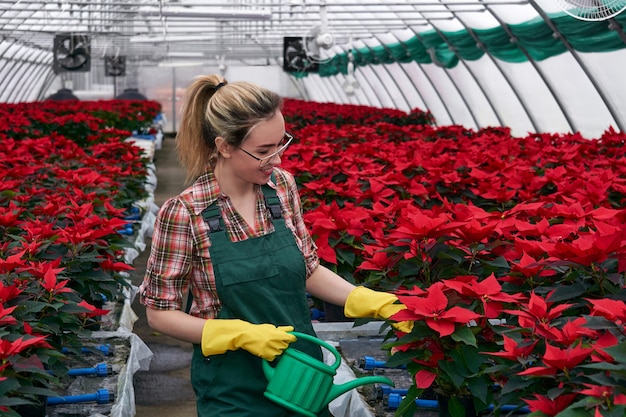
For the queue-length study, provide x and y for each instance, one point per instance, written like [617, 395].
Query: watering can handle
[321, 343]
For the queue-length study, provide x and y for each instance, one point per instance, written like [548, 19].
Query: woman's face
[263, 142]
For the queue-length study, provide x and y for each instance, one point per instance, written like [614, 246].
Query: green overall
[259, 280]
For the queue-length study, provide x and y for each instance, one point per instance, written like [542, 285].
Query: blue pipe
[101, 369]
[385, 390]
[395, 399]
[103, 349]
[102, 396]
[317, 314]
[368, 363]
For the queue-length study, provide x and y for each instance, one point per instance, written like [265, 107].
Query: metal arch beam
[469, 108]
[479, 44]
[50, 76]
[28, 75]
[446, 40]
[471, 73]
[13, 64]
[399, 65]
[401, 43]
[345, 99]
[337, 89]
[441, 100]
[406, 101]
[377, 77]
[365, 82]
[404, 71]
[612, 111]
[324, 88]
[7, 85]
[38, 72]
[332, 89]
[371, 93]
[367, 99]
[456, 87]
[37, 64]
[537, 68]
[298, 86]
[614, 25]
[25, 60]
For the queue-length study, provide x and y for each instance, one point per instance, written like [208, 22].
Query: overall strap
[272, 202]
[213, 218]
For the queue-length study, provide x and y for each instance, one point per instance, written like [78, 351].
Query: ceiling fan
[592, 10]
[319, 38]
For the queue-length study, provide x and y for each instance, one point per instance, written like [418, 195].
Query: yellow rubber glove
[363, 302]
[263, 340]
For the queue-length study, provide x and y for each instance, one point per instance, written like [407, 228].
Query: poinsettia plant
[448, 349]
[68, 181]
[420, 206]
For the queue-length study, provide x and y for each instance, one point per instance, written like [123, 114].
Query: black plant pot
[465, 406]
[334, 313]
[33, 410]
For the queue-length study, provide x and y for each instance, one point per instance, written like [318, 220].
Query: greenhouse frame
[534, 66]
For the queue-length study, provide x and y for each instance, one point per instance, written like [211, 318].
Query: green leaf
[346, 256]
[499, 262]
[455, 371]
[7, 385]
[400, 358]
[465, 335]
[407, 406]
[618, 352]
[567, 292]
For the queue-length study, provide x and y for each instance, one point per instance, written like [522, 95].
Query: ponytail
[214, 107]
[195, 140]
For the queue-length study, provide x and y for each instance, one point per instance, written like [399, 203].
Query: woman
[235, 240]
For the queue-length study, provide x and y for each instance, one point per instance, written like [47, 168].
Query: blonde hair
[214, 107]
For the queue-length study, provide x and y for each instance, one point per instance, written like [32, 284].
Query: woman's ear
[223, 148]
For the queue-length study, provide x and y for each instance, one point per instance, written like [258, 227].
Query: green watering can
[304, 384]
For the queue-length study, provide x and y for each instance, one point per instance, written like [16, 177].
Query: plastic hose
[102, 396]
[385, 390]
[317, 314]
[101, 349]
[368, 363]
[101, 369]
[395, 399]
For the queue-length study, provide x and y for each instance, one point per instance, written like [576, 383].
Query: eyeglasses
[265, 161]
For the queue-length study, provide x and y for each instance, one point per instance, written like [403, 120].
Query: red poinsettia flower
[376, 259]
[605, 340]
[557, 359]
[92, 311]
[538, 312]
[527, 266]
[612, 310]
[514, 351]
[488, 291]
[550, 406]
[417, 224]
[9, 292]
[572, 332]
[5, 316]
[432, 308]
[11, 348]
[598, 391]
[12, 262]
[51, 285]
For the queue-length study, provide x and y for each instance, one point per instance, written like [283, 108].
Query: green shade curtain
[536, 37]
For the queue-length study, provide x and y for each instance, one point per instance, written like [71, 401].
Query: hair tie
[220, 85]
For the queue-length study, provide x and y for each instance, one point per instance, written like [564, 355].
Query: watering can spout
[337, 390]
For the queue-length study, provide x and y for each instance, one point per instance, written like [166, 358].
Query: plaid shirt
[180, 243]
